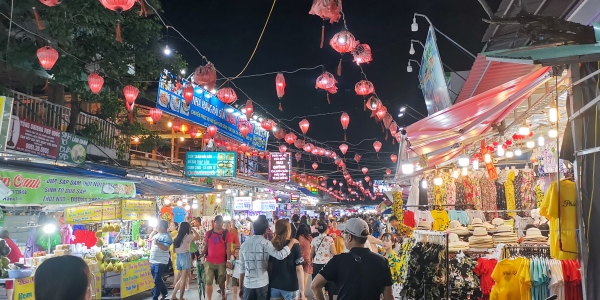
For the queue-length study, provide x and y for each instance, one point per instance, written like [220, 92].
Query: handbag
[317, 249]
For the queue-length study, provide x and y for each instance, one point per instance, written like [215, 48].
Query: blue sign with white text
[205, 110]
[210, 164]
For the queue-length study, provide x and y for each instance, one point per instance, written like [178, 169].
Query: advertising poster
[280, 167]
[40, 189]
[242, 203]
[136, 278]
[24, 288]
[433, 78]
[138, 209]
[92, 213]
[205, 110]
[210, 164]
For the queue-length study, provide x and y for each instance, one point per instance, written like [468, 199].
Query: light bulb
[455, 173]
[509, 154]
[195, 206]
[524, 129]
[541, 141]
[169, 124]
[500, 151]
[218, 200]
[412, 49]
[182, 139]
[530, 144]
[274, 128]
[463, 161]
[487, 158]
[179, 203]
[414, 26]
[49, 228]
[187, 207]
[409, 68]
[228, 192]
[552, 133]
[167, 201]
[342, 40]
[182, 71]
[518, 152]
[476, 165]
[167, 50]
[408, 168]
[438, 180]
[553, 114]
[424, 184]
[153, 222]
[136, 139]
[464, 171]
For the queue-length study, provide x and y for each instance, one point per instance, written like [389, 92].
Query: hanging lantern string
[316, 115]
[272, 73]
[344, 19]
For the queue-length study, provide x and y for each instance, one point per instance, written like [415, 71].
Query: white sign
[242, 203]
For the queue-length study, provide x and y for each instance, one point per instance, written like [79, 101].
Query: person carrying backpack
[217, 249]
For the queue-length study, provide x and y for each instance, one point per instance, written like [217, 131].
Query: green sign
[72, 148]
[40, 189]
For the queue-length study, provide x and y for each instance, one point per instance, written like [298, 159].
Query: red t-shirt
[15, 253]
[409, 219]
[217, 253]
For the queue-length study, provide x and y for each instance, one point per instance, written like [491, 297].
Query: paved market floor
[192, 294]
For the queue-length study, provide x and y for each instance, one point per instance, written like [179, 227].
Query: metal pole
[172, 143]
[444, 35]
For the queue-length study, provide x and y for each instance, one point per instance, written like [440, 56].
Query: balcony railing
[57, 116]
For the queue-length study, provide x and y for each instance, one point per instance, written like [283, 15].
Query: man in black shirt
[359, 274]
[295, 224]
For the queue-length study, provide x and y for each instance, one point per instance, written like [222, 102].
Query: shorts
[183, 261]
[235, 282]
[277, 293]
[214, 271]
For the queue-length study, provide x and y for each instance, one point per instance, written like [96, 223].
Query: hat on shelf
[534, 235]
[454, 224]
[505, 235]
[457, 228]
[504, 230]
[480, 239]
[480, 231]
[497, 222]
[424, 225]
[476, 222]
[488, 226]
[455, 244]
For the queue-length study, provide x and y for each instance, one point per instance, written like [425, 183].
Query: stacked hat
[424, 225]
[456, 227]
[455, 244]
[505, 235]
[476, 222]
[480, 238]
[497, 222]
[534, 236]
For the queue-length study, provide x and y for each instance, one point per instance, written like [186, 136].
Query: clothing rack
[527, 251]
[439, 238]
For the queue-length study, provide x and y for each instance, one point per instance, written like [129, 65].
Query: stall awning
[55, 170]
[547, 55]
[306, 192]
[149, 187]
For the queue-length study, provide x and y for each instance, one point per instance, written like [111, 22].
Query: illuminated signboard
[242, 203]
[280, 167]
[210, 164]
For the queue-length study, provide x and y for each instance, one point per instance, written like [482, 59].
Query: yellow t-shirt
[440, 220]
[505, 275]
[567, 218]
[525, 279]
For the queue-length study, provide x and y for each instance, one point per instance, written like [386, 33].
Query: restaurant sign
[210, 164]
[205, 110]
[40, 189]
[280, 166]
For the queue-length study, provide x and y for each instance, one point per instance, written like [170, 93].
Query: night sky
[226, 32]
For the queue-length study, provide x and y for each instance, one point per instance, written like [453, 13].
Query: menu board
[83, 214]
[242, 203]
[280, 166]
[138, 209]
[210, 164]
[42, 140]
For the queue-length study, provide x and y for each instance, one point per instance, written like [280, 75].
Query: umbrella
[200, 277]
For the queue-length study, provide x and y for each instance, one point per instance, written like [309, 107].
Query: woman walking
[389, 243]
[183, 264]
[286, 276]
[322, 250]
[304, 238]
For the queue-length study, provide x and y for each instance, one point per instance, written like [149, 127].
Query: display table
[134, 279]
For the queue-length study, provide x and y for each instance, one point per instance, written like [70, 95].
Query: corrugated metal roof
[486, 75]
[546, 55]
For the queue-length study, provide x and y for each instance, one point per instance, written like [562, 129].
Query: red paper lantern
[345, 120]
[327, 153]
[327, 82]
[290, 138]
[393, 128]
[245, 147]
[299, 144]
[227, 95]
[206, 76]
[343, 42]
[280, 85]
[243, 127]
[377, 146]
[267, 124]
[131, 93]
[321, 151]
[315, 151]
[495, 144]
[504, 147]
[95, 82]
[279, 134]
[364, 87]
[304, 124]
[394, 158]
[388, 171]
[194, 133]
[362, 54]
[357, 157]
[118, 5]
[50, 2]
[308, 147]
[261, 155]
[315, 165]
[381, 111]
[47, 57]
[367, 178]
[176, 124]
[155, 114]
[188, 93]
[282, 148]
[365, 170]
[374, 103]
[334, 181]
[249, 109]
[509, 143]
[298, 156]
[343, 148]
[211, 131]
[327, 10]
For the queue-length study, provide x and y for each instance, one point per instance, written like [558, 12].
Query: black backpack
[223, 236]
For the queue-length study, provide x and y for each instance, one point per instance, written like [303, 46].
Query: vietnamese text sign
[136, 278]
[210, 164]
[40, 189]
[24, 288]
[138, 209]
[280, 166]
[72, 148]
[242, 203]
[205, 110]
[432, 77]
[93, 213]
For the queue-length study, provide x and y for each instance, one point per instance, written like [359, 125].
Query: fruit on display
[99, 256]
[99, 234]
[105, 228]
[117, 227]
[99, 243]
[110, 228]
[109, 267]
[4, 249]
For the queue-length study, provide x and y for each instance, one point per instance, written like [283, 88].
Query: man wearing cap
[359, 274]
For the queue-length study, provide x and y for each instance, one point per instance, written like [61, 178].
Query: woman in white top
[322, 249]
[181, 244]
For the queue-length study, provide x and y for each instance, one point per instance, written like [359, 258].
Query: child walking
[235, 272]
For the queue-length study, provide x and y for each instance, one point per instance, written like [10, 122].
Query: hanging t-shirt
[524, 275]
[178, 214]
[166, 213]
[409, 219]
[423, 215]
[485, 268]
[562, 209]
[507, 281]
[440, 220]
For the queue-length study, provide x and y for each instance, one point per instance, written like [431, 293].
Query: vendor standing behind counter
[15, 253]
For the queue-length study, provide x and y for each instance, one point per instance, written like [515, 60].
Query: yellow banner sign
[24, 289]
[98, 286]
[138, 209]
[93, 213]
[136, 278]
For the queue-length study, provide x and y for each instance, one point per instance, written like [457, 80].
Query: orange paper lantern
[47, 57]
[95, 82]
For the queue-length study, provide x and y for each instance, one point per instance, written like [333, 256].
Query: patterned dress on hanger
[474, 190]
[500, 196]
[528, 198]
[430, 191]
[460, 195]
[518, 196]
[488, 197]
[539, 195]
[509, 190]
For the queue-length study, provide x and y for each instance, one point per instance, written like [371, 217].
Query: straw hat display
[534, 236]
[424, 225]
[497, 222]
[505, 235]
[455, 244]
[457, 228]
[480, 238]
